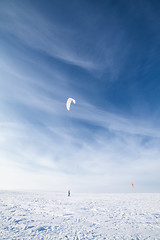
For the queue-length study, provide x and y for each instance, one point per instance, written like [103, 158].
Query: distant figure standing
[69, 193]
[132, 185]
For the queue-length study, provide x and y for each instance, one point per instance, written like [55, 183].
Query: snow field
[44, 215]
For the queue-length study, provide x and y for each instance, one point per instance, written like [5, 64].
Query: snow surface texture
[25, 215]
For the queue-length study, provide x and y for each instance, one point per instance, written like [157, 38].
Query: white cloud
[117, 153]
[65, 42]
[25, 21]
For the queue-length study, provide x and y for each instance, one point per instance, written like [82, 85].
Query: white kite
[68, 103]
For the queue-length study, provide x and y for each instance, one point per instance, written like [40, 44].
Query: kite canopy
[68, 103]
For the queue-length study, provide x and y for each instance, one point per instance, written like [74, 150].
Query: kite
[68, 103]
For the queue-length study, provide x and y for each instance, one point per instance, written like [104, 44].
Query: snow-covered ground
[32, 215]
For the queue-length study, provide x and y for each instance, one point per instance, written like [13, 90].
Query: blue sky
[105, 55]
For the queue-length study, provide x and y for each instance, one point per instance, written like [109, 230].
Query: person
[69, 193]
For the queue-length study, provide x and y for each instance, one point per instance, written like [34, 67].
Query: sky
[105, 55]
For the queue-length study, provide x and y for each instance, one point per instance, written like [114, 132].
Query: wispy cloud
[65, 42]
[120, 147]
[24, 21]
[117, 157]
[118, 150]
